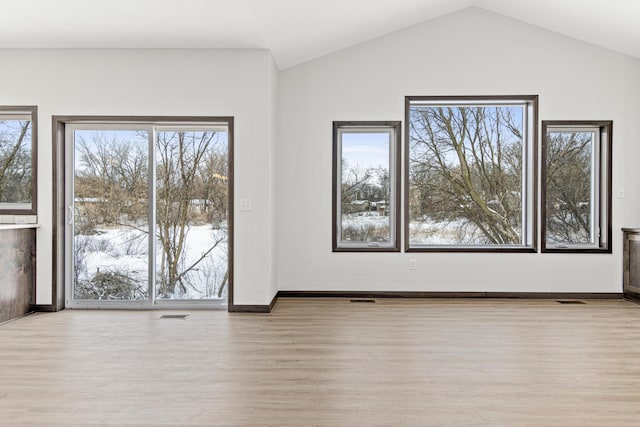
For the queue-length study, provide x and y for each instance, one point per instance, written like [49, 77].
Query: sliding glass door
[148, 214]
[109, 214]
[191, 213]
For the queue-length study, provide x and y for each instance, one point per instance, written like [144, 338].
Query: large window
[576, 179]
[366, 168]
[470, 173]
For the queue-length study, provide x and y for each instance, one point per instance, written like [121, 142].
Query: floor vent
[366, 300]
[570, 302]
[174, 316]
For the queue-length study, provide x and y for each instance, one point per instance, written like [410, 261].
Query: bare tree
[112, 190]
[180, 157]
[569, 172]
[15, 160]
[111, 183]
[212, 184]
[465, 166]
[355, 180]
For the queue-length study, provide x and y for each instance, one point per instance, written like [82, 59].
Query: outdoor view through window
[125, 211]
[469, 176]
[576, 186]
[365, 177]
[16, 174]
[365, 187]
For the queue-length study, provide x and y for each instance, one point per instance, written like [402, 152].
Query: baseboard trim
[632, 297]
[239, 308]
[395, 294]
[47, 308]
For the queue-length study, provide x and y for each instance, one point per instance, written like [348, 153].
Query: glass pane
[569, 201]
[191, 214]
[111, 249]
[365, 189]
[466, 175]
[15, 164]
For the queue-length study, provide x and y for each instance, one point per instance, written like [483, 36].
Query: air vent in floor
[365, 300]
[174, 316]
[570, 302]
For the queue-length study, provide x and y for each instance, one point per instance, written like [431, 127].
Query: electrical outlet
[246, 205]
[620, 192]
[412, 264]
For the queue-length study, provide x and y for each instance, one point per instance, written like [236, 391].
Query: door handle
[70, 222]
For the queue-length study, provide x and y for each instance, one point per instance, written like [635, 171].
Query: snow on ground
[365, 219]
[430, 232]
[365, 226]
[424, 231]
[126, 251]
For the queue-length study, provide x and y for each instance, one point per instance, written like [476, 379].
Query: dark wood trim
[334, 188]
[46, 308]
[405, 193]
[606, 137]
[255, 308]
[533, 248]
[534, 199]
[240, 308]
[58, 124]
[365, 249]
[462, 98]
[471, 249]
[397, 147]
[230, 219]
[33, 109]
[400, 294]
[144, 120]
[273, 302]
[635, 298]
[58, 189]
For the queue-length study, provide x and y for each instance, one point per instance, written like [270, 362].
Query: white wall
[283, 140]
[472, 52]
[274, 76]
[158, 82]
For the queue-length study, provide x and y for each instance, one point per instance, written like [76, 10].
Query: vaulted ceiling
[294, 30]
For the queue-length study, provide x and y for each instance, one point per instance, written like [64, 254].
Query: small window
[470, 173]
[366, 184]
[18, 133]
[576, 186]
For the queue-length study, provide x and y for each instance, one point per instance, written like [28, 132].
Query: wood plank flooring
[328, 362]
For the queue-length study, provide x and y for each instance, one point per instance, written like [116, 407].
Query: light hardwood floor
[326, 362]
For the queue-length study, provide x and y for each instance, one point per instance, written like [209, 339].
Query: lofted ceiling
[294, 30]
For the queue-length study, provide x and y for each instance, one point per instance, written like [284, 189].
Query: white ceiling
[294, 30]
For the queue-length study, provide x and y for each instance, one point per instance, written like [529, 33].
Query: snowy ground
[126, 250]
[425, 231]
[356, 226]
[430, 232]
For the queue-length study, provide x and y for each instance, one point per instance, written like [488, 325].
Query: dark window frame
[59, 125]
[605, 203]
[532, 104]
[33, 111]
[395, 188]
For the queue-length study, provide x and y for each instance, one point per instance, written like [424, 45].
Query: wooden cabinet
[17, 269]
[631, 264]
